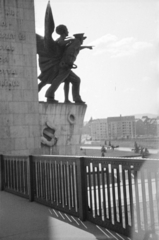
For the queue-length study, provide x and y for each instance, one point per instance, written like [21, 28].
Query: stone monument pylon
[19, 106]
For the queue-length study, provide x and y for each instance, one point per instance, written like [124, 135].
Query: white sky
[120, 75]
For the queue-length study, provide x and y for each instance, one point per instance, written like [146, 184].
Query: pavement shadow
[21, 219]
[100, 233]
[24, 220]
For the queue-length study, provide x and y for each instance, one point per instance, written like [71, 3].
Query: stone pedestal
[61, 126]
[19, 107]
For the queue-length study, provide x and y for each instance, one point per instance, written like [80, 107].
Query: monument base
[61, 126]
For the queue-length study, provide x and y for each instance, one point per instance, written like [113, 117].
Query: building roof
[121, 118]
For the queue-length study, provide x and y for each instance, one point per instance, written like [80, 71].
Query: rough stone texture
[19, 109]
[64, 122]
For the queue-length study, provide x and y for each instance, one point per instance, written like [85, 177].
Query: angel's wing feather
[49, 22]
[46, 46]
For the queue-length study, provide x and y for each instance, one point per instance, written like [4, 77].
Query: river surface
[152, 151]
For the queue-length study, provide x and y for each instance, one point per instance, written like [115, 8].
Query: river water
[152, 151]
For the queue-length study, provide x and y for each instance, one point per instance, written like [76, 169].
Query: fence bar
[138, 213]
[144, 199]
[99, 192]
[151, 202]
[103, 188]
[54, 182]
[65, 186]
[82, 190]
[113, 195]
[30, 178]
[2, 174]
[73, 187]
[157, 197]
[90, 187]
[109, 200]
[130, 195]
[119, 198]
[125, 198]
[94, 188]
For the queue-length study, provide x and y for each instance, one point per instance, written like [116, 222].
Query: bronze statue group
[56, 60]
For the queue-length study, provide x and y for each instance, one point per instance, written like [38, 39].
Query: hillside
[150, 115]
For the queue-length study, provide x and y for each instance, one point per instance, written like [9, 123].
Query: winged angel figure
[56, 59]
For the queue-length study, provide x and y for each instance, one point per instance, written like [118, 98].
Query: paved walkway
[24, 220]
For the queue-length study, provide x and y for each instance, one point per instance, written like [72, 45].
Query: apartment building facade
[113, 128]
[99, 129]
[121, 127]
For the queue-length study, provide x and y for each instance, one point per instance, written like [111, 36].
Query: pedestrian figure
[136, 147]
[103, 151]
[83, 151]
[145, 153]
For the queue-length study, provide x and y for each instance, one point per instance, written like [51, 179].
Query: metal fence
[14, 175]
[55, 183]
[121, 194]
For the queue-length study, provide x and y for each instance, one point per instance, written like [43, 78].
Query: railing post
[1, 173]
[82, 189]
[31, 178]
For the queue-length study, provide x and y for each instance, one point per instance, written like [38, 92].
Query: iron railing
[121, 194]
[55, 183]
[14, 174]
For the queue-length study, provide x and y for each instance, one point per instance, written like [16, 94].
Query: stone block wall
[19, 107]
[61, 126]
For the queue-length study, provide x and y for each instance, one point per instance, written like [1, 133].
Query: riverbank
[109, 153]
[145, 143]
[95, 151]
[129, 143]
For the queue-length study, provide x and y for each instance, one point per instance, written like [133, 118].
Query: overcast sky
[120, 75]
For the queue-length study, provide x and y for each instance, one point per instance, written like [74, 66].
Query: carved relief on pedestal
[49, 137]
[61, 128]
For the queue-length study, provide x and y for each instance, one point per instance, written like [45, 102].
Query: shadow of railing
[98, 231]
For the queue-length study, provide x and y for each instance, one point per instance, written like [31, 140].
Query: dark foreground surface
[24, 220]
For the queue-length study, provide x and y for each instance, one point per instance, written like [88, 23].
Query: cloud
[142, 45]
[119, 47]
[129, 90]
[106, 39]
[146, 79]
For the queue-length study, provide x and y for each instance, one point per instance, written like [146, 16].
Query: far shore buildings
[99, 129]
[147, 126]
[113, 128]
[121, 127]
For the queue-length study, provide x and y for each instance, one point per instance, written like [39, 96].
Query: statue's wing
[48, 49]
[40, 44]
[46, 45]
[49, 24]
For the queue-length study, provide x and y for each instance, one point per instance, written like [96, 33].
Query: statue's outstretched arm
[88, 47]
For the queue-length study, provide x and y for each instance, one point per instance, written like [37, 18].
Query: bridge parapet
[121, 194]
